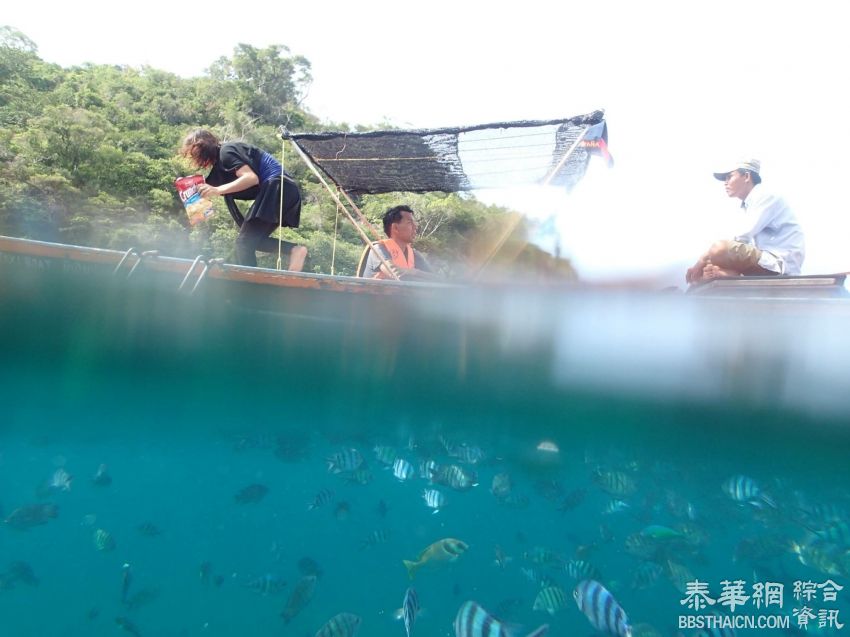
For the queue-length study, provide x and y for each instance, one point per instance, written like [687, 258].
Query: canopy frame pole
[336, 198]
[515, 222]
[360, 213]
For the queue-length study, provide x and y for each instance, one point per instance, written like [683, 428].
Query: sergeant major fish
[251, 494]
[300, 597]
[551, 599]
[25, 518]
[744, 489]
[322, 498]
[342, 625]
[601, 609]
[268, 584]
[409, 610]
[345, 461]
[434, 499]
[473, 621]
[403, 470]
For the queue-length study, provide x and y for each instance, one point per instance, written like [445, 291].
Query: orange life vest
[397, 256]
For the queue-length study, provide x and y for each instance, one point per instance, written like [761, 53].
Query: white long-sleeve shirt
[773, 229]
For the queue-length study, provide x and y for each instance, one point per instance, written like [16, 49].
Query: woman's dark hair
[393, 215]
[201, 146]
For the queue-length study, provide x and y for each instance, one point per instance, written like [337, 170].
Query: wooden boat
[819, 286]
[27, 265]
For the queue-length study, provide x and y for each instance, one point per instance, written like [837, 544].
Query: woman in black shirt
[243, 171]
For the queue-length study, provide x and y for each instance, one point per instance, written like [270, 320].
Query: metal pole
[360, 231]
[360, 214]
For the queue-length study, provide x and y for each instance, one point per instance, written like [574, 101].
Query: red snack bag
[198, 208]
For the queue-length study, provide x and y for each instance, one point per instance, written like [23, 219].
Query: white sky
[684, 85]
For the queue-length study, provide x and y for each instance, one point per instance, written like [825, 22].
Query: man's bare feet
[711, 272]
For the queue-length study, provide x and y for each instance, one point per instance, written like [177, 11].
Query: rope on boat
[280, 220]
[336, 232]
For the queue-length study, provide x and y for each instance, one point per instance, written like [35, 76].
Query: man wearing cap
[773, 244]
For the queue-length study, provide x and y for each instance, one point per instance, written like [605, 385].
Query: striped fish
[342, 625]
[385, 455]
[615, 483]
[321, 499]
[473, 621]
[427, 468]
[615, 506]
[402, 469]
[466, 453]
[300, 597]
[679, 575]
[551, 599]
[267, 584]
[746, 490]
[645, 575]
[434, 499]
[600, 607]
[345, 460]
[358, 476]
[376, 537]
[455, 477]
[836, 533]
[501, 485]
[409, 609]
[582, 569]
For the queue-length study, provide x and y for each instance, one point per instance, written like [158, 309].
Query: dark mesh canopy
[456, 159]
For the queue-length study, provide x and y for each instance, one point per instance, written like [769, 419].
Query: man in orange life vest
[400, 227]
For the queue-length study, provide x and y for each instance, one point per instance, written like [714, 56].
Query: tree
[268, 84]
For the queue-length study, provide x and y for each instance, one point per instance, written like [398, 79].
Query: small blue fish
[600, 607]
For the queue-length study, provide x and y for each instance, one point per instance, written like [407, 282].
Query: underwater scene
[501, 463]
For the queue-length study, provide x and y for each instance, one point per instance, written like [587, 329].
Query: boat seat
[364, 257]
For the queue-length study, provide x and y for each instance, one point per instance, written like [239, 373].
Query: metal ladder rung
[208, 264]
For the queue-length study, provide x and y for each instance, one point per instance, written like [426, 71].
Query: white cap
[753, 165]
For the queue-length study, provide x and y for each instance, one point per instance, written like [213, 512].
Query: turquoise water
[188, 401]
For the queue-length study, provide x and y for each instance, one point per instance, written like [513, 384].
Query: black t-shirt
[231, 157]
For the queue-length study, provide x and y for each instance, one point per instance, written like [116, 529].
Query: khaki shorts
[742, 257]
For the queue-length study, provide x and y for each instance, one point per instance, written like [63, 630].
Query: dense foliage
[88, 157]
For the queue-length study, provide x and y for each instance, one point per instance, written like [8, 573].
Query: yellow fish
[445, 550]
